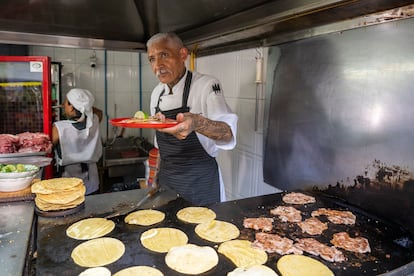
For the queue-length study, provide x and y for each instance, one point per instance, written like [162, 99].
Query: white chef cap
[82, 100]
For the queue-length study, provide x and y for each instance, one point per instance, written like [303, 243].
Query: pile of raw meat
[25, 142]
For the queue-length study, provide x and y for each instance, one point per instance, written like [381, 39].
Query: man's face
[167, 62]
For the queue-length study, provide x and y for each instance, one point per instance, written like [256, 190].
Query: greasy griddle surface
[55, 247]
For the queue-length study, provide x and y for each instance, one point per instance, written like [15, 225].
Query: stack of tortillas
[59, 193]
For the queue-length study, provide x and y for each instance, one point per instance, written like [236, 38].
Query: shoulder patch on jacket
[216, 88]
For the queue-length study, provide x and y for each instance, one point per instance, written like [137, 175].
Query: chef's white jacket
[206, 98]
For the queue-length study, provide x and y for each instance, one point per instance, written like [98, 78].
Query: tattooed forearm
[215, 130]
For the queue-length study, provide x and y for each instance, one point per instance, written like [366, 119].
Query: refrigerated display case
[25, 96]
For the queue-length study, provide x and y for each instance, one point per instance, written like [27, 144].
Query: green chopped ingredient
[9, 168]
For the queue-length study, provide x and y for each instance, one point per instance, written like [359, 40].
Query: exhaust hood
[208, 26]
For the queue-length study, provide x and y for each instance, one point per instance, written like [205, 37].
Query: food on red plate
[141, 117]
[298, 198]
[287, 213]
[314, 247]
[274, 243]
[358, 244]
[265, 224]
[146, 120]
[313, 226]
[336, 216]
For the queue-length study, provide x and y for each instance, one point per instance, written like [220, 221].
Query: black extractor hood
[206, 26]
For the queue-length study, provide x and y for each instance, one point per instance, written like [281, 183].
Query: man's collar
[179, 85]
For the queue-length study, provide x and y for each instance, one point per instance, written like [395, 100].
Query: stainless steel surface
[341, 119]
[210, 26]
[339, 103]
[405, 270]
[5, 234]
[16, 220]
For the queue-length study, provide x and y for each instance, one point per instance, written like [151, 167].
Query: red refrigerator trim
[46, 94]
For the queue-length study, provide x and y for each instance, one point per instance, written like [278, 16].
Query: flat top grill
[54, 247]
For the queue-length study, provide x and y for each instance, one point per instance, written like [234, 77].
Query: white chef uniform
[75, 149]
[203, 100]
[80, 141]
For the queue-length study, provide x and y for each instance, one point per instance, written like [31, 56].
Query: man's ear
[184, 53]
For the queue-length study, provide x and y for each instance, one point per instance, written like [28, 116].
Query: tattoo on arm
[215, 130]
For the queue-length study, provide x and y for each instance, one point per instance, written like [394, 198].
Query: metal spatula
[129, 209]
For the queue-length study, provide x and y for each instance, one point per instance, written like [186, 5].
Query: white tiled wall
[241, 167]
[122, 80]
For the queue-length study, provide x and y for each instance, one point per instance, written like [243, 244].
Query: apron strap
[186, 93]
[187, 90]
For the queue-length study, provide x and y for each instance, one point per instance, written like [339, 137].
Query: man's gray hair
[170, 37]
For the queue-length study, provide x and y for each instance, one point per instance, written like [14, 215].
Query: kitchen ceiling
[206, 26]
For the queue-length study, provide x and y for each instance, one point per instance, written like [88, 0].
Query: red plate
[126, 122]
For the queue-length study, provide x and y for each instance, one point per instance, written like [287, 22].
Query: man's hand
[189, 122]
[182, 129]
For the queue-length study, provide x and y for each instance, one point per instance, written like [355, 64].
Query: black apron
[185, 166]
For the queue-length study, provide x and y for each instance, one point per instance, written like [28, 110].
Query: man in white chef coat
[206, 124]
[77, 140]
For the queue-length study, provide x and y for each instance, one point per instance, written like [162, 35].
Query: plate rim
[117, 122]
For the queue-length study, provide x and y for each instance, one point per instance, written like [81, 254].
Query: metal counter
[16, 222]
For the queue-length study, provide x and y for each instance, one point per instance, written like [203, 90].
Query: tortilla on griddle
[145, 217]
[196, 214]
[162, 239]
[191, 259]
[96, 271]
[90, 228]
[98, 252]
[254, 270]
[242, 254]
[217, 231]
[139, 270]
[300, 265]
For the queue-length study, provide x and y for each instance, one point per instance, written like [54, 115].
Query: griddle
[390, 244]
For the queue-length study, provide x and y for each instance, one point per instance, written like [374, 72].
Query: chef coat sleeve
[218, 110]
